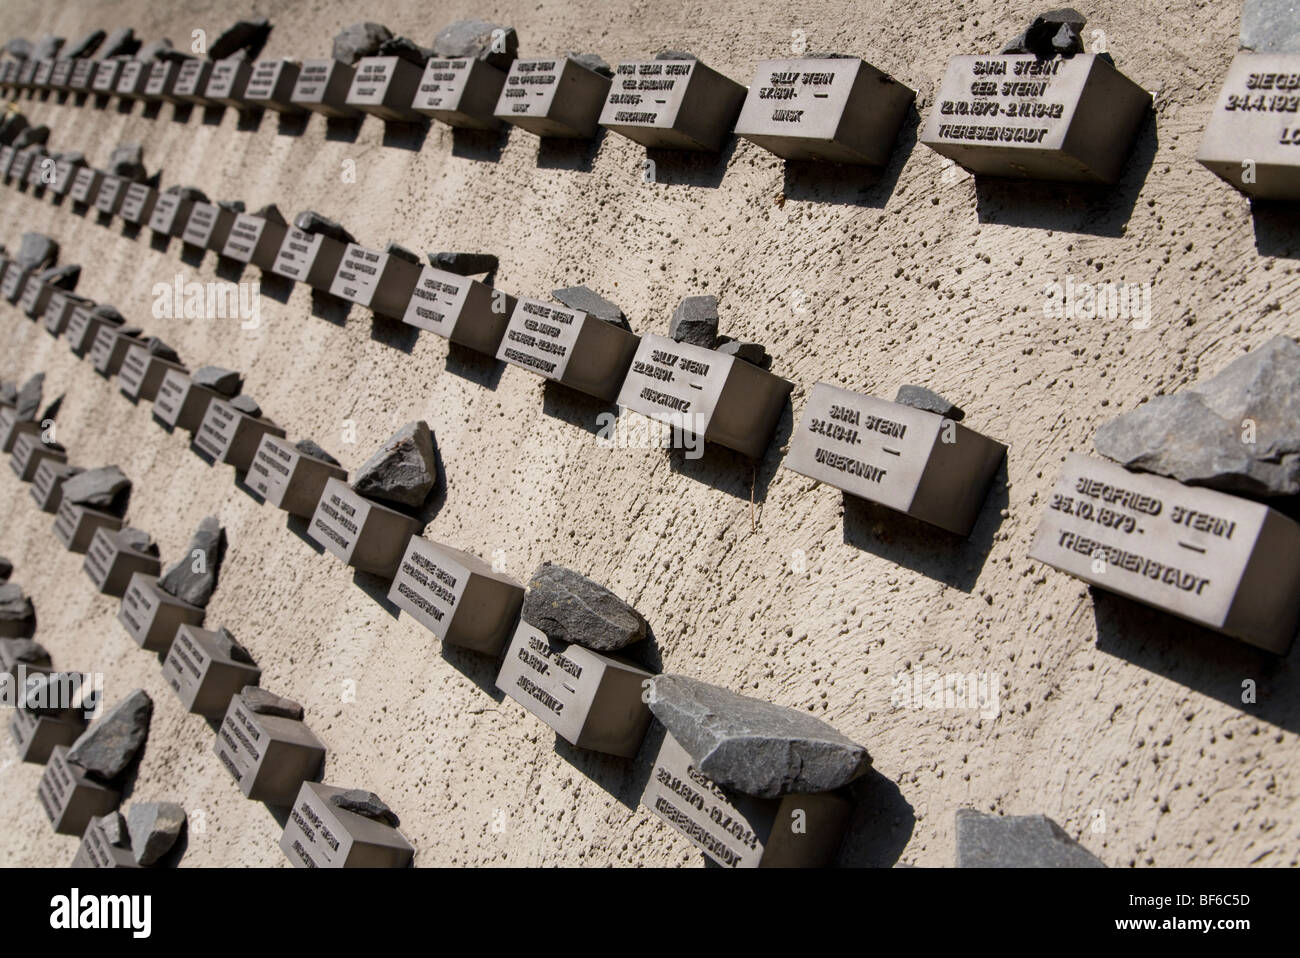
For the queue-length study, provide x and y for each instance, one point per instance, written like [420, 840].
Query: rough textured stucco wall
[924, 277]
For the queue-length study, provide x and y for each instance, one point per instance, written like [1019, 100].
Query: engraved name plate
[385, 86]
[461, 309]
[323, 87]
[202, 675]
[269, 756]
[289, 479]
[231, 436]
[309, 258]
[318, 834]
[461, 92]
[379, 281]
[70, 797]
[672, 104]
[556, 96]
[1255, 126]
[364, 534]
[152, 616]
[568, 346]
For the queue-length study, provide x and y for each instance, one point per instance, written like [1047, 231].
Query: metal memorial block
[40, 171]
[1230, 564]
[181, 403]
[70, 797]
[202, 675]
[110, 564]
[106, 74]
[461, 92]
[112, 190]
[29, 452]
[364, 534]
[61, 75]
[36, 736]
[269, 756]
[142, 373]
[58, 310]
[231, 436]
[83, 329]
[1014, 115]
[591, 700]
[907, 459]
[15, 279]
[227, 82]
[171, 214]
[96, 851]
[16, 671]
[461, 309]
[672, 105]
[255, 240]
[288, 478]
[137, 203]
[208, 226]
[379, 281]
[385, 86]
[163, 75]
[7, 154]
[702, 392]
[838, 110]
[271, 85]
[36, 297]
[83, 72]
[741, 831]
[76, 525]
[23, 161]
[323, 87]
[456, 596]
[309, 258]
[568, 346]
[556, 96]
[26, 74]
[192, 81]
[47, 484]
[132, 79]
[152, 616]
[65, 174]
[11, 427]
[111, 344]
[318, 834]
[1252, 139]
[41, 76]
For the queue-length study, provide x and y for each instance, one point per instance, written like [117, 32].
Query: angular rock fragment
[37, 251]
[127, 161]
[590, 302]
[360, 40]
[120, 43]
[403, 470]
[405, 48]
[271, 213]
[593, 62]
[241, 36]
[108, 314]
[248, 405]
[192, 193]
[1017, 841]
[86, 46]
[918, 397]
[749, 352]
[15, 605]
[695, 321]
[309, 448]
[32, 136]
[18, 48]
[47, 47]
[753, 746]
[235, 206]
[464, 264]
[569, 607]
[674, 55]
[160, 349]
[1270, 26]
[28, 402]
[157, 50]
[104, 488]
[6, 568]
[64, 277]
[1201, 435]
[366, 804]
[28, 651]
[193, 577]
[401, 252]
[262, 702]
[8, 393]
[227, 382]
[230, 647]
[113, 828]
[309, 221]
[137, 540]
[474, 38]
[154, 828]
[11, 125]
[1051, 34]
[108, 746]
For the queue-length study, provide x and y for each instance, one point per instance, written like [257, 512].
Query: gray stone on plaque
[261, 702]
[379, 281]
[591, 700]
[242, 35]
[231, 432]
[151, 616]
[226, 382]
[105, 844]
[456, 596]
[29, 398]
[404, 470]
[465, 311]
[127, 161]
[292, 476]
[464, 264]
[359, 40]
[323, 86]
[86, 46]
[1055, 33]
[568, 346]
[47, 47]
[907, 459]
[21, 655]
[32, 136]
[1196, 435]
[246, 404]
[593, 304]
[1071, 117]
[144, 367]
[385, 86]
[309, 221]
[19, 48]
[121, 42]
[30, 450]
[672, 104]
[256, 237]
[269, 755]
[37, 251]
[695, 322]
[193, 578]
[364, 534]
[209, 226]
[114, 556]
[555, 96]
[755, 747]
[1270, 26]
[1017, 841]
[491, 43]
[271, 85]
[1227, 563]
[47, 484]
[918, 397]
[154, 828]
[70, 796]
[331, 827]
[705, 393]
[738, 830]
[111, 742]
[570, 608]
[17, 616]
[207, 670]
[836, 109]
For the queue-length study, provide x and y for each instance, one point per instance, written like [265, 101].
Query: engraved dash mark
[892, 452]
[1188, 545]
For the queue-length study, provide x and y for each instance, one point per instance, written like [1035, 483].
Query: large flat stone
[569, 607]
[403, 470]
[1017, 841]
[108, 746]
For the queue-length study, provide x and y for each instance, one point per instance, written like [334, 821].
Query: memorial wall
[852, 434]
